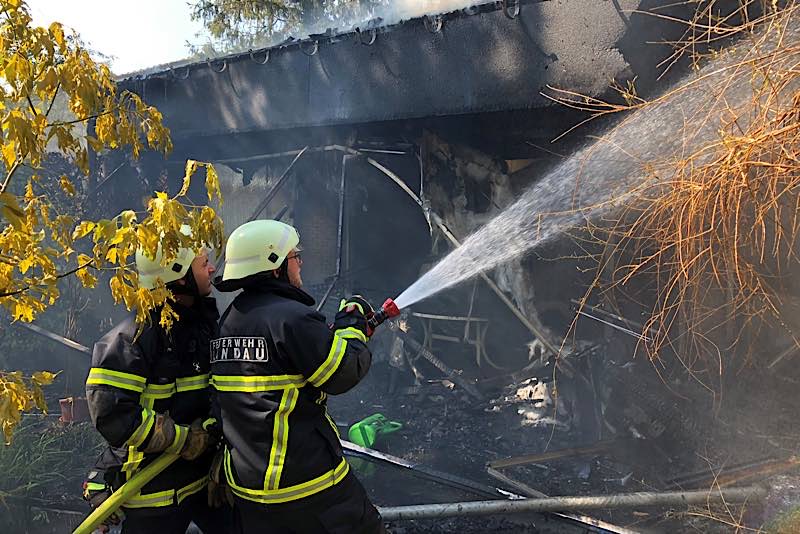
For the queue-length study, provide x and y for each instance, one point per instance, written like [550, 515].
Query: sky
[136, 34]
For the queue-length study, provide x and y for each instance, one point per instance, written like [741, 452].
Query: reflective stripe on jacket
[133, 379]
[274, 364]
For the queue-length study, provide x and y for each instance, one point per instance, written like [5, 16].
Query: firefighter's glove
[219, 492]
[164, 435]
[197, 441]
[354, 313]
[95, 493]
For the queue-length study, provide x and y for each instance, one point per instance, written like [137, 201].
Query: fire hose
[125, 492]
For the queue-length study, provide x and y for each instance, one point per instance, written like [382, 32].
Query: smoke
[389, 12]
[409, 9]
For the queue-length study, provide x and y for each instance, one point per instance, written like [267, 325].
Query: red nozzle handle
[389, 309]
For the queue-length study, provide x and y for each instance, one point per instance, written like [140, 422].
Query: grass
[45, 462]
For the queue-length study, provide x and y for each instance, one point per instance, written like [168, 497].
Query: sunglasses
[296, 256]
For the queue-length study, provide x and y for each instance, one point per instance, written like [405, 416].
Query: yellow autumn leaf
[57, 32]
[191, 167]
[44, 378]
[37, 237]
[14, 216]
[8, 416]
[22, 311]
[26, 263]
[86, 278]
[83, 229]
[38, 398]
[84, 273]
[67, 186]
[9, 153]
[128, 217]
[212, 184]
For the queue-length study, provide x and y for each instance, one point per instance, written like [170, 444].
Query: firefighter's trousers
[341, 509]
[176, 519]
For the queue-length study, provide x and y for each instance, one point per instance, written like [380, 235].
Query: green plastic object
[367, 431]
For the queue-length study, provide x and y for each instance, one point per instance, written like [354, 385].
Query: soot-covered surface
[679, 434]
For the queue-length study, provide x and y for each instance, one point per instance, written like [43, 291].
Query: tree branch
[9, 175]
[58, 276]
[55, 94]
[30, 104]
[76, 121]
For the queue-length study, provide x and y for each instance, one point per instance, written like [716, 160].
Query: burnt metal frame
[433, 219]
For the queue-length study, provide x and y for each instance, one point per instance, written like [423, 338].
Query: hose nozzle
[387, 311]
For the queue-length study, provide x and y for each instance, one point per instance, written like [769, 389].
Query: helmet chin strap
[188, 288]
[283, 272]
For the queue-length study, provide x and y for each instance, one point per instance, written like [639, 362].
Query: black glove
[359, 301]
[219, 493]
[95, 492]
[354, 312]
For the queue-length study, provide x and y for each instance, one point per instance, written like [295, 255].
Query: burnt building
[452, 106]
[387, 145]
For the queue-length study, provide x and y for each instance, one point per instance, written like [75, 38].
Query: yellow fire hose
[125, 492]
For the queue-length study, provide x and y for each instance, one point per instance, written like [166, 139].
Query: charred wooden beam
[571, 452]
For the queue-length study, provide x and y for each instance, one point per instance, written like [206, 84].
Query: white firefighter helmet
[151, 269]
[258, 246]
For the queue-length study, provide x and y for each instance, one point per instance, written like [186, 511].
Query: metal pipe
[339, 235]
[327, 293]
[456, 243]
[74, 345]
[278, 216]
[104, 180]
[451, 374]
[272, 192]
[260, 157]
[591, 523]
[287, 153]
[264, 203]
[424, 472]
[631, 324]
[340, 224]
[383, 151]
[615, 326]
[788, 352]
[427, 473]
[727, 476]
[537, 332]
[564, 504]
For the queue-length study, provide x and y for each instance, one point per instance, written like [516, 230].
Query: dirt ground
[446, 429]
[450, 431]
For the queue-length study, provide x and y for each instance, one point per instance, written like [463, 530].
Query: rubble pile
[601, 424]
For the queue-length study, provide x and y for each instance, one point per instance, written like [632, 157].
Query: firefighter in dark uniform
[274, 364]
[150, 394]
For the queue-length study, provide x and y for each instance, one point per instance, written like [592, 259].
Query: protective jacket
[274, 364]
[134, 378]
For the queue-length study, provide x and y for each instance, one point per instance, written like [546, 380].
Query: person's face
[293, 265]
[203, 271]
